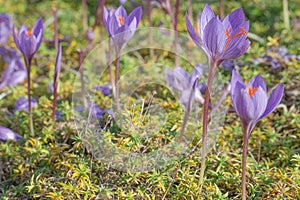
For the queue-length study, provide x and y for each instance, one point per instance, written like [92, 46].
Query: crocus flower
[95, 110]
[15, 72]
[55, 82]
[121, 27]
[7, 134]
[180, 80]
[276, 57]
[220, 39]
[22, 103]
[29, 40]
[5, 27]
[105, 89]
[251, 101]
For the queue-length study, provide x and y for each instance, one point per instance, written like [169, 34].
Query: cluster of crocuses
[220, 39]
[223, 39]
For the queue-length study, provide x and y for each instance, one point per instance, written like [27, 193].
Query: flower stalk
[28, 66]
[211, 74]
[55, 81]
[244, 161]
[117, 98]
[28, 42]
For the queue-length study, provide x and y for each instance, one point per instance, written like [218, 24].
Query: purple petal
[23, 29]
[235, 78]
[113, 25]
[38, 32]
[198, 71]
[206, 16]
[17, 77]
[137, 14]
[238, 43]
[22, 103]
[5, 27]
[260, 100]
[106, 19]
[274, 100]
[29, 45]
[192, 31]
[121, 12]
[236, 17]
[57, 63]
[258, 81]
[182, 78]
[244, 105]
[7, 134]
[16, 39]
[213, 39]
[228, 64]
[198, 96]
[105, 89]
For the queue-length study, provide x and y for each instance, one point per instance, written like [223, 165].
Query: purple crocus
[276, 57]
[105, 89]
[189, 87]
[22, 103]
[5, 27]
[29, 40]
[121, 27]
[221, 39]
[251, 103]
[55, 81]
[7, 134]
[180, 80]
[95, 111]
[15, 72]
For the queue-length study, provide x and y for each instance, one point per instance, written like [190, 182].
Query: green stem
[211, 74]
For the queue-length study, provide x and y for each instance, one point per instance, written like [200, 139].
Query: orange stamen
[121, 20]
[240, 33]
[251, 91]
[29, 32]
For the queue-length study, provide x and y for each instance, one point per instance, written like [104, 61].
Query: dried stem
[175, 30]
[99, 17]
[84, 16]
[150, 39]
[222, 12]
[55, 35]
[212, 70]
[80, 53]
[190, 9]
